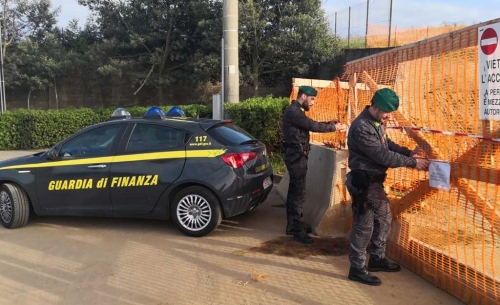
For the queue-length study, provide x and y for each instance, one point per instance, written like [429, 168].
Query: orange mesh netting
[378, 34]
[331, 103]
[451, 238]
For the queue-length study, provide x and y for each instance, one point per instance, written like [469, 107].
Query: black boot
[363, 276]
[375, 264]
[302, 236]
[290, 230]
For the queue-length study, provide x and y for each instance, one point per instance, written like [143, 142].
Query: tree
[282, 38]
[30, 70]
[38, 58]
[12, 24]
[38, 19]
[152, 39]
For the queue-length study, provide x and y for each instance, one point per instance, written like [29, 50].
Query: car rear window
[229, 134]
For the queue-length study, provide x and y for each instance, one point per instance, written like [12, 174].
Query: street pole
[366, 32]
[3, 101]
[231, 61]
[390, 25]
[223, 84]
[335, 24]
[349, 30]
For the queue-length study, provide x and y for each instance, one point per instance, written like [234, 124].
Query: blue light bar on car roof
[176, 111]
[154, 113]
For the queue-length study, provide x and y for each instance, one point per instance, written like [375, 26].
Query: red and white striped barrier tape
[449, 133]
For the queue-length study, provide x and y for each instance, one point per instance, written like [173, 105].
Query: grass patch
[354, 43]
[278, 163]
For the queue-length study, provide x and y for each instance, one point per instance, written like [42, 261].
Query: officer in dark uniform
[296, 128]
[371, 153]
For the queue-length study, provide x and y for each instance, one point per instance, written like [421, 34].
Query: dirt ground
[248, 260]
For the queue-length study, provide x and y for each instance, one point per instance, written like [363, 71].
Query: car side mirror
[52, 154]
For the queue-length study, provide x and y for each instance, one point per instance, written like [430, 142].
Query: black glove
[358, 201]
[357, 184]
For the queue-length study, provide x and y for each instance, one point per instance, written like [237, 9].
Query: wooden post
[352, 86]
[488, 132]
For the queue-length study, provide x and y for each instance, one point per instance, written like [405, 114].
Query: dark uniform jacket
[370, 149]
[296, 128]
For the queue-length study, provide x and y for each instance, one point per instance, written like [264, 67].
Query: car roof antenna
[201, 103]
[198, 111]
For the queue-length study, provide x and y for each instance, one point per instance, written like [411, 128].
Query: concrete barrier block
[327, 208]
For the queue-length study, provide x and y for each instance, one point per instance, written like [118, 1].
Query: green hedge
[34, 129]
[261, 117]
[38, 129]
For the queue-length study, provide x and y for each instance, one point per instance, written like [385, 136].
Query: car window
[96, 142]
[151, 138]
[229, 134]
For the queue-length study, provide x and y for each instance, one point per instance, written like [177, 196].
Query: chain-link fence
[370, 24]
[357, 23]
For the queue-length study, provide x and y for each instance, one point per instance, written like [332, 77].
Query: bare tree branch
[180, 65]
[129, 28]
[146, 79]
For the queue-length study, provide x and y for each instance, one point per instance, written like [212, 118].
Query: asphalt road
[76, 260]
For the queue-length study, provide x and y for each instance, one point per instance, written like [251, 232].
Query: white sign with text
[489, 72]
[439, 175]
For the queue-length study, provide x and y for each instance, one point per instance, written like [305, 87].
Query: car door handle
[97, 166]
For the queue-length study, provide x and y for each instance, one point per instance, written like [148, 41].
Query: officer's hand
[422, 164]
[417, 151]
[340, 127]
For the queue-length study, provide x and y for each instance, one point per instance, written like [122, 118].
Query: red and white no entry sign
[489, 41]
[488, 58]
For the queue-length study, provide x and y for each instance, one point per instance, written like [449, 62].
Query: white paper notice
[439, 173]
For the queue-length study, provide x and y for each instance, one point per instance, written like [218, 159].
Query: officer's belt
[379, 178]
[306, 146]
[374, 178]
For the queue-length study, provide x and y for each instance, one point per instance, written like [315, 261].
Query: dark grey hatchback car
[194, 172]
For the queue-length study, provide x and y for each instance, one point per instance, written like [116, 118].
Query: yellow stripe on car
[205, 153]
[179, 120]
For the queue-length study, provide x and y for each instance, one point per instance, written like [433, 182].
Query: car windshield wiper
[249, 142]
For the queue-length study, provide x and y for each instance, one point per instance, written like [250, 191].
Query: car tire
[196, 211]
[14, 206]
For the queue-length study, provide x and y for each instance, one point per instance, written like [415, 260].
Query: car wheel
[196, 211]
[14, 206]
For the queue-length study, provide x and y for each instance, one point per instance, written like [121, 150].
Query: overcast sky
[70, 9]
[414, 13]
[406, 13]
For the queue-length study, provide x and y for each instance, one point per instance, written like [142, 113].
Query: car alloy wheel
[5, 207]
[194, 212]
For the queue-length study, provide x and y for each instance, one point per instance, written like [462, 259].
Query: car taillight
[236, 160]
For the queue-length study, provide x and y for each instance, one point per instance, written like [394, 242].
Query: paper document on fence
[439, 173]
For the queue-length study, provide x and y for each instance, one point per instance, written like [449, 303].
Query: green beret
[386, 100]
[308, 90]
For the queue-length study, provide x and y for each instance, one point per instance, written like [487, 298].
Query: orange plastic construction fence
[330, 104]
[449, 237]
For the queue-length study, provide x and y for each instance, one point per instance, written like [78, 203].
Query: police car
[194, 172]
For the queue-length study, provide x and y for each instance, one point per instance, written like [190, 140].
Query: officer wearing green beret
[296, 128]
[371, 153]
